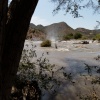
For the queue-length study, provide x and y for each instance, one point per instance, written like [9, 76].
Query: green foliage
[84, 37]
[93, 39]
[68, 36]
[41, 71]
[97, 37]
[73, 7]
[46, 43]
[77, 35]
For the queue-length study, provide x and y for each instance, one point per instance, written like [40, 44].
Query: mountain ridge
[55, 30]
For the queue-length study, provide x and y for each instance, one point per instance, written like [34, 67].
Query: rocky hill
[87, 31]
[35, 33]
[58, 30]
[55, 30]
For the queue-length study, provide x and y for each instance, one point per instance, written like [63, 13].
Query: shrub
[68, 36]
[84, 37]
[97, 37]
[46, 43]
[41, 72]
[93, 39]
[49, 80]
[77, 35]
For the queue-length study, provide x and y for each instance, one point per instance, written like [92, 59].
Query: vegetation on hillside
[77, 35]
[65, 32]
[68, 36]
[97, 37]
[72, 36]
[84, 37]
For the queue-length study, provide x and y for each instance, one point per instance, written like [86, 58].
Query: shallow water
[71, 56]
[68, 51]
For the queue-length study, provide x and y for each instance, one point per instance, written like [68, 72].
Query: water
[72, 56]
[68, 50]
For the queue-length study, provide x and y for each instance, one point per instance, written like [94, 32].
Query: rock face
[36, 32]
[56, 30]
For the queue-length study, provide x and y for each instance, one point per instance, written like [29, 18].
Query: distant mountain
[55, 30]
[58, 30]
[97, 31]
[87, 31]
[83, 30]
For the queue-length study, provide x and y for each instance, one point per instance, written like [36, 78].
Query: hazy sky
[43, 15]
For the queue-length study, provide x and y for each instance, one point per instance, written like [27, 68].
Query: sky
[43, 15]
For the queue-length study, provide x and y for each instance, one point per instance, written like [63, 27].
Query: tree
[14, 23]
[73, 6]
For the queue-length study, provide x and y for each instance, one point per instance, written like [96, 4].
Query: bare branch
[73, 6]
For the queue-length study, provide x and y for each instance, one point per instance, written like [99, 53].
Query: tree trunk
[19, 16]
[3, 17]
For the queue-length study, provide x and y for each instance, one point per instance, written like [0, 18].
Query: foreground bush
[46, 43]
[40, 75]
[25, 90]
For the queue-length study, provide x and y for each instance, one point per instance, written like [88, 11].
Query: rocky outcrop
[35, 34]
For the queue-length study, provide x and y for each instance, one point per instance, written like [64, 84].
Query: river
[72, 56]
